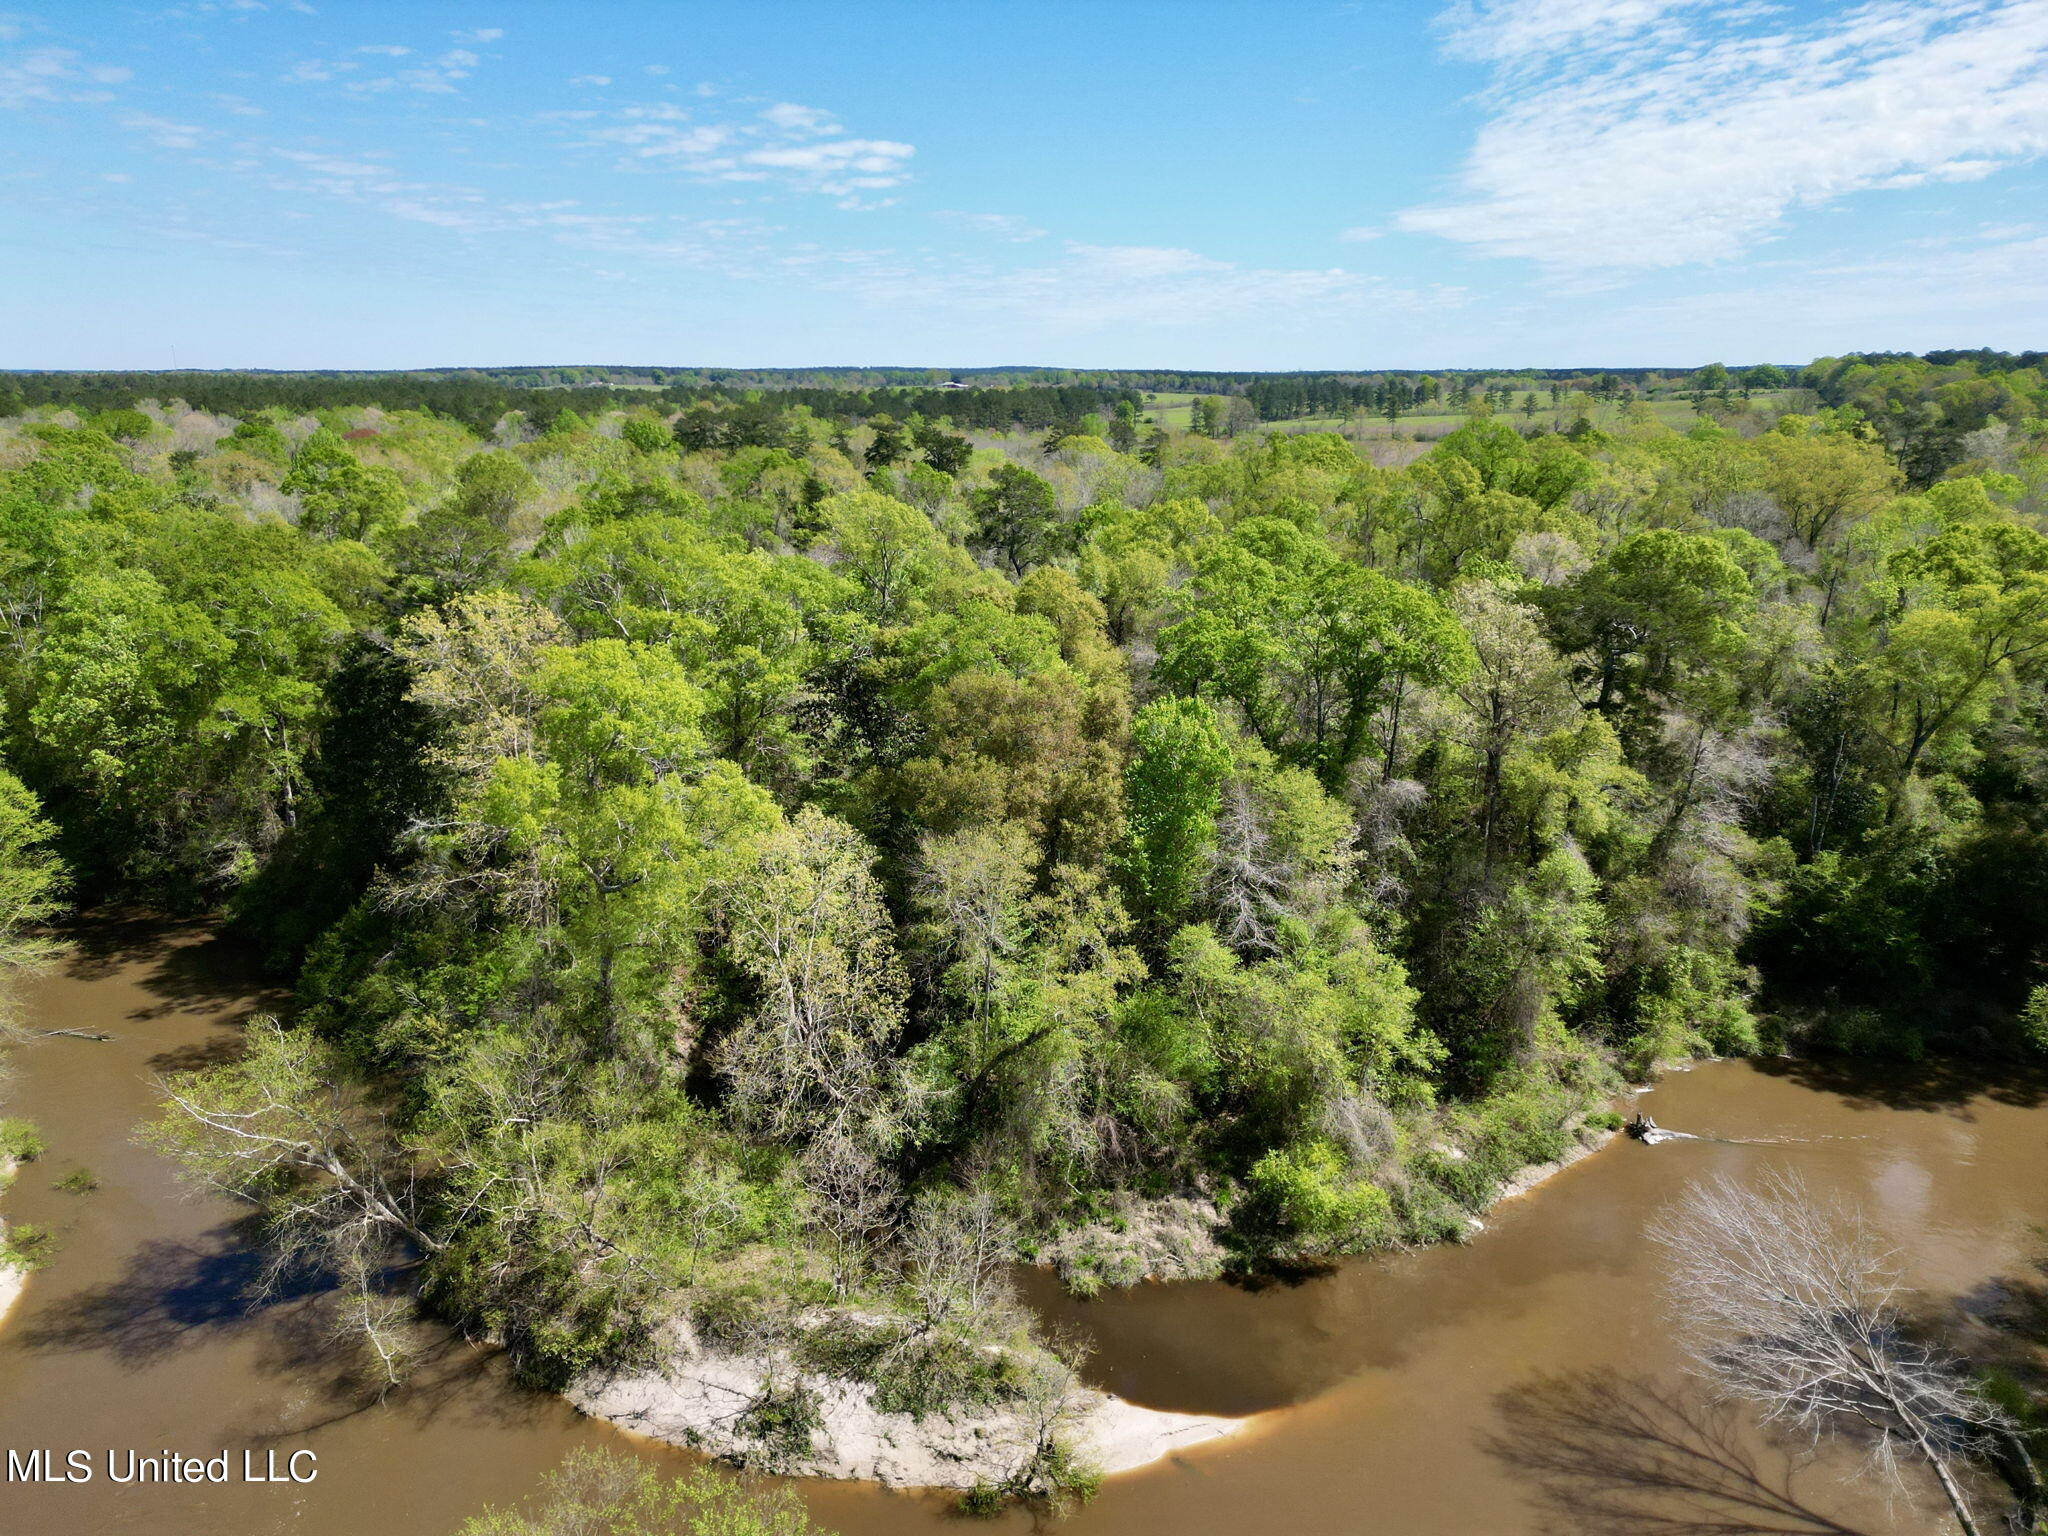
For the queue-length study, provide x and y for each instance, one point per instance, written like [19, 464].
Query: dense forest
[757, 862]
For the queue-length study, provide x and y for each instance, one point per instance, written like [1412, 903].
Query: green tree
[891, 550]
[1309, 647]
[1018, 517]
[645, 436]
[944, 451]
[887, 445]
[1123, 429]
[1173, 788]
[1976, 607]
[32, 887]
[339, 497]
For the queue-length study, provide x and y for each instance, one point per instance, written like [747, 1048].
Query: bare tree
[853, 1199]
[958, 1249]
[1792, 1303]
[972, 889]
[809, 927]
[282, 1129]
[1246, 883]
[1052, 1400]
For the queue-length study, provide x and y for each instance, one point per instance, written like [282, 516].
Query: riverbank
[1542, 1173]
[705, 1402]
[12, 1276]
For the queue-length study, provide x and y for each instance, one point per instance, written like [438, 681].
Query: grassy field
[1168, 409]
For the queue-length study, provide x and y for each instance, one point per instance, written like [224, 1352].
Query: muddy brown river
[1424, 1393]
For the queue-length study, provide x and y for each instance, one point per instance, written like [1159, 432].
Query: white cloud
[590, 79]
[435, 78]
[1002, 226]
[164, 133]
[657, 69]
[799, 148]
[787, 114]
[56, 75]
[1358, 234]
[874, 156]
[480, 35]
[333, 165]
[312, 71]
[389, 50]
[1660, 133]
[1521, 31]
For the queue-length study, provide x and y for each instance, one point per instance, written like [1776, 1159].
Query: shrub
[2034, 1020]
[1307, 1193]
[983, 1501]
[20, 1142]
[27, 1246]
[782, 1421]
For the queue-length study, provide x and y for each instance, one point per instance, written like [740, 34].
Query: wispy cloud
[1630, 134]
[1002, 226]
[433, 77]
[798, 148]
[56, 75]
[163, 132]
[1522, 32]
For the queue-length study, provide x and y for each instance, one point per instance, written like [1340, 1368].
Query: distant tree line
[479, 401]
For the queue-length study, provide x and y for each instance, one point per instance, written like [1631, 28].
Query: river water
[1418, 1394]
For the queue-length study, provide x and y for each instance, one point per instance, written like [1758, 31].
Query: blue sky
[348, 183]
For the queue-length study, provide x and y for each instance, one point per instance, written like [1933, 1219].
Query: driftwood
[76, 1034]
[1649, 1132]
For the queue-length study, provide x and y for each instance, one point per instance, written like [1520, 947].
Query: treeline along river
[1444, 1390]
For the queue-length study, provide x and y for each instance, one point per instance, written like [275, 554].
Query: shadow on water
[1938, 1083]
[2006, 1319]
[189, 967]
[197, 1056]
[175, 1298]
[170, 1296]
[1607, 1454]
